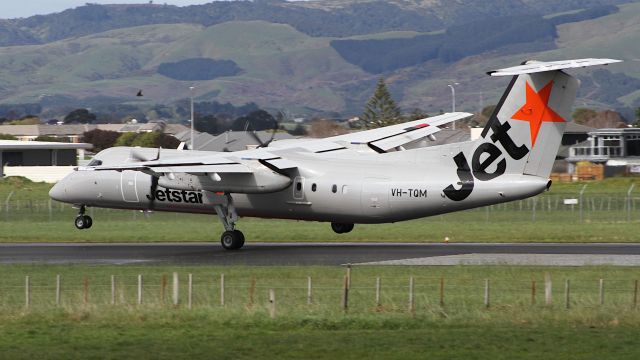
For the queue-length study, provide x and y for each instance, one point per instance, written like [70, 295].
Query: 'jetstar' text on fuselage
[177, 196]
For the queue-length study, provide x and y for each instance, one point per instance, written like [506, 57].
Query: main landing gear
[231, 239]
[340, 228]
[83, 221]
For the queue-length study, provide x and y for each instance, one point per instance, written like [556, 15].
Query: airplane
[366, 177]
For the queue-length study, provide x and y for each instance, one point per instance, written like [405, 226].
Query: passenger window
[334, 189]
[95, 162]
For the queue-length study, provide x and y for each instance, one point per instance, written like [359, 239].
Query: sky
[10, 9]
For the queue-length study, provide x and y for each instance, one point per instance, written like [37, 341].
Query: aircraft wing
[250, 161]
[389, 137]
[241, 162]
[250, 172]
[176, 165]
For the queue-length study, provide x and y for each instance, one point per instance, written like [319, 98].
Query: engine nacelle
[260, 181]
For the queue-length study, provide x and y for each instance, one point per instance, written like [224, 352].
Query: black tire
[340, 228]
[232, 240]
[80, 222]
[241, 237]
[88, 221]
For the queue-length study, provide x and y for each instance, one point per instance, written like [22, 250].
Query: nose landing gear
[83, 221]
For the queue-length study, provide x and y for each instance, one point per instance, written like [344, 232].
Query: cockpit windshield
[95, 162]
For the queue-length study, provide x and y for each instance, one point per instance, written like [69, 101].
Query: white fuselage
[364, 188]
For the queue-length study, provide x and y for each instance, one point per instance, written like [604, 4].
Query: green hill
[278, 63]
[279, 66]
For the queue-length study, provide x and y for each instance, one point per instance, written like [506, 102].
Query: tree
[488, 110]
[147, 139]
[207, 123]
[81, 116]
[101, 139]
[417, 114]
[126, 139]
[381, 110]
[151, 139]
[48, 138]
[167, 142]
[583, 115]
[256, 121]
[637, 117]
[7, 137]
[598, 119]
[26, 120]
[326, 128]
[299, 130]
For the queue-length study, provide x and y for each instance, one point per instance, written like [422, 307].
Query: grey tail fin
[529, 121]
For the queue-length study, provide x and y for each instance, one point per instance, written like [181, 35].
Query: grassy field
[512, 327]
[607, 216]
[462, 327]
[198, 335]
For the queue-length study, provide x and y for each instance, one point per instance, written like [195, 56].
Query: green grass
[200, 228]
[246, 289]
[198, 335]
[463, 328]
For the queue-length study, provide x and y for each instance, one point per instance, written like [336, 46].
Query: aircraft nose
[59, 191]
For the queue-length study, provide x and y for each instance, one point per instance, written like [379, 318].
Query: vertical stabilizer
[530, 118]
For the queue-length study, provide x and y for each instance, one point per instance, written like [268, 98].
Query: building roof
[20, 130]
[230, 140]
[574, 128]
[615, 131]
[79, 129]
[31, 145]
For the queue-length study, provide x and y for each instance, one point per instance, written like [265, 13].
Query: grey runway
[262, 254]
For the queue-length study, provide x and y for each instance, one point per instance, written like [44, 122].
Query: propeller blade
[137, 155]
[158, 156]
[273, 133]
[257, 138]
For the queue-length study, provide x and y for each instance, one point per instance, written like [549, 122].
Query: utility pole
[453, 100]
[193, 146]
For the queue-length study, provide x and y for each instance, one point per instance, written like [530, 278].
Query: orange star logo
[536, 110]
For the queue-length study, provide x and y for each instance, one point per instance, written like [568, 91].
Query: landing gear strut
[231, 239]
[83, 221]
[340, 228]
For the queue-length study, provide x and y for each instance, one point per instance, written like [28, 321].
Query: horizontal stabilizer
[534, 66]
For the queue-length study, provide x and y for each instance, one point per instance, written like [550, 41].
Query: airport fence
[406, 294]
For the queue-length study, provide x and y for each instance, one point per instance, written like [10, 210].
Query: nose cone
[59, 191]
